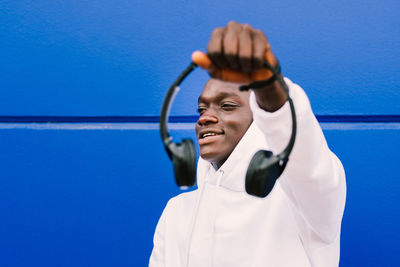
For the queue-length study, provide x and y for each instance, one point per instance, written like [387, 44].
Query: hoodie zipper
[216, 193]
[194, 218]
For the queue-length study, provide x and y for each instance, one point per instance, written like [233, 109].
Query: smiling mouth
[209, 133]
[208, 136]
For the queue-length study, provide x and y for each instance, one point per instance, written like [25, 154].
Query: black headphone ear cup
[262, 173]
[184, 161]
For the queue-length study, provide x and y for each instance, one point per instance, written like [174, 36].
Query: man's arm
[314, 177]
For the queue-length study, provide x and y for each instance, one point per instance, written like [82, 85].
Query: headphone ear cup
[184, 161]
[262, 173]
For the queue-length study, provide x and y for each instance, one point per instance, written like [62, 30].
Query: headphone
[264, 168]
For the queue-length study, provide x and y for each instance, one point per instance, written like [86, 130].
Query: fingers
[260, 46]
[215, 48]
[203, 61]
[246, 49]
[231, 44]
[237, 53]
[239, 47]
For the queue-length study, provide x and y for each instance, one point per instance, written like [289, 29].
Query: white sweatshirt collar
[235, 167]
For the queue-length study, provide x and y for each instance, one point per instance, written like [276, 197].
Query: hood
[235, 167]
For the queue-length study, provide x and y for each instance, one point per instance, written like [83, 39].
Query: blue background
[90, 194]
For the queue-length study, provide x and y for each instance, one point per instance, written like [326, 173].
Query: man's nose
[207, 117]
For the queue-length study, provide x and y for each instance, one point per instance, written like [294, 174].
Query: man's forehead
[218, 88]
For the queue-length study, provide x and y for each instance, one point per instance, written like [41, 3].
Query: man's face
[225, 116]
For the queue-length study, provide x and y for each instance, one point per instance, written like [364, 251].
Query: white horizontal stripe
[176, 126]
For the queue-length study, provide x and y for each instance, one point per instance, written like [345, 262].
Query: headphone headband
[166, 107]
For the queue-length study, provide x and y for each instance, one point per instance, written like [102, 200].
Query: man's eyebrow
[221, 95]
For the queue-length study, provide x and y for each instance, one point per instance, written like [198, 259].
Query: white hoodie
[297, 224]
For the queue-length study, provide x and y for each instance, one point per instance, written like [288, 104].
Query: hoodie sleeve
[314, 179]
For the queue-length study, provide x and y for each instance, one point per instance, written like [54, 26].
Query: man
[219, 224]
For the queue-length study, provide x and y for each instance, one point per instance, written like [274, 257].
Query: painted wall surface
[118, 57]
[83, 194]
[83, 197]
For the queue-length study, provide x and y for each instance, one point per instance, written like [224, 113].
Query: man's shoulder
[183, 199]
[181, 203]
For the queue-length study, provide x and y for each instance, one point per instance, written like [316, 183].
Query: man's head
[225, 116]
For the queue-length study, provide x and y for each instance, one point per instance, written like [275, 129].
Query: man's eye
[229, 106]
[201, 110]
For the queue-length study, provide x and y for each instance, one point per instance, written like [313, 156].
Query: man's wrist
[271, 97]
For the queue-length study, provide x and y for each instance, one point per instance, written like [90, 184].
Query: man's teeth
[208, 134]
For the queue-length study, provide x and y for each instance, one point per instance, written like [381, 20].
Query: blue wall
[88, 194]
[116, 57]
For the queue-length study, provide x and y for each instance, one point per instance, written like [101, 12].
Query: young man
[219, 224]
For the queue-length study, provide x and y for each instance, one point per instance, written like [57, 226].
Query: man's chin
[213, 156]
[208, 155]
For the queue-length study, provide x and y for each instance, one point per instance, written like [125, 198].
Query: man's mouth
[207, 133]
[206, 136]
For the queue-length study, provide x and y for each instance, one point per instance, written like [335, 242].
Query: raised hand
[236, 53]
